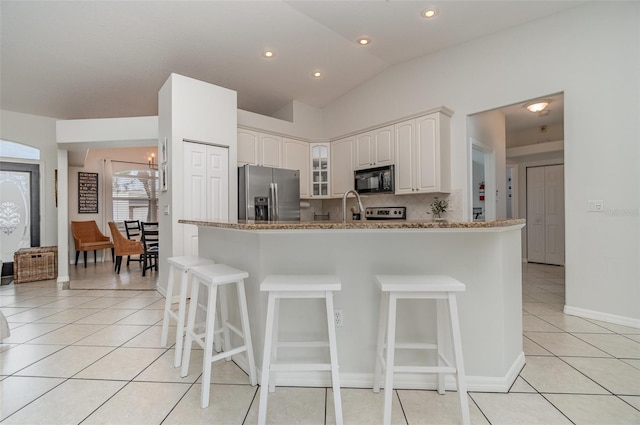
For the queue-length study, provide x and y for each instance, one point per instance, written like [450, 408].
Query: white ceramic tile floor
[93, 355]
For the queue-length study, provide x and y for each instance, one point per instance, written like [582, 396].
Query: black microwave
[375, 180]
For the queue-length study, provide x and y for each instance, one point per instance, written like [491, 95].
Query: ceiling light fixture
[364, 41]
[429, 13]
[317, 74]
[537, 105]
[268, 54]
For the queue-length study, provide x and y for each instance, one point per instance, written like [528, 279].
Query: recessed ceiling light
[268, 54]
[317, 74]
[429, 13]
[363, 41]
[537, 105]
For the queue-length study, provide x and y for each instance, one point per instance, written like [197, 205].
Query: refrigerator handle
[276, 202]
[271, 202]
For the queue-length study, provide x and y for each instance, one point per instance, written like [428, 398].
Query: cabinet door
[247, 147]
[384, 151]
[320, 170]
[364, 150]
[271, 151]
[405, 133]
[296, 157]
[342, 158]
[427, 154]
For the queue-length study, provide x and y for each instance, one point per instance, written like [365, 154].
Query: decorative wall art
[87, 193]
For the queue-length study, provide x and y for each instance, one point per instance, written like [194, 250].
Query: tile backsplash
[417, 206]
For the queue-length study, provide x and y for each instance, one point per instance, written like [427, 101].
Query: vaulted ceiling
[100, 59]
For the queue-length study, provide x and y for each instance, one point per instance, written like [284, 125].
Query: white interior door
[545, 214]
[206, 190]
[554, 214]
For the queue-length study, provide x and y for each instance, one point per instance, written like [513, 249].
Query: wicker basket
[38, 263]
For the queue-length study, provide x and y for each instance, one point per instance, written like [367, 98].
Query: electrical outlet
[338, 318]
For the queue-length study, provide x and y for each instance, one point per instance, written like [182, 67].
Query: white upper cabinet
[342, 160]
[257, 148]
[423, 155]
[320, 170]
[296, 157]
[375, 148]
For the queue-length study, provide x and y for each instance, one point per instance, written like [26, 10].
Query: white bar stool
[214, 277]
[184, 265]
[441, 288]
[295, 286]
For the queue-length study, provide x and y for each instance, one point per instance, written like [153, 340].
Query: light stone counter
[485, 256]
[364, 224]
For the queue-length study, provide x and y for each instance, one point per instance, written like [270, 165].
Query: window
[134, 192]
[16, 150]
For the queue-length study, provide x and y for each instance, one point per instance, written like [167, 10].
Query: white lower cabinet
[423, 155]
[296, 157]
[342, 162]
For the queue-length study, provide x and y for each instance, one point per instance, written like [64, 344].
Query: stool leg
[208, 345]
[440, 321]
[224, 319]
[333, 353]
[457, 348]
[274, 343]
[191, 329]
[391, 336]
[266, 360]
[182, 307]
[167, 307]
[246, 332]
[382, 321]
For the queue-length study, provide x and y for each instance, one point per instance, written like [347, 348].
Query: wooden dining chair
[150, 243]
[134, 232]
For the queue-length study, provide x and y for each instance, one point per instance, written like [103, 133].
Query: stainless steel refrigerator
[266, 193]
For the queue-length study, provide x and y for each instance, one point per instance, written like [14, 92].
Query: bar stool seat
[215, 278]
[301, 287]
[441, 288]
[182, 264]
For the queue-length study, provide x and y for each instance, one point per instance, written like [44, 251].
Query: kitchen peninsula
[485, 256]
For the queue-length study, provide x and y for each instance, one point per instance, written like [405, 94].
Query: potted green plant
[438, 206]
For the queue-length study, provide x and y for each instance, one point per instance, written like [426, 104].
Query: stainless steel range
[385, 213]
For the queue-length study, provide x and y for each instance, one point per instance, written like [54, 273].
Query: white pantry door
[545, 214]
[206, 188]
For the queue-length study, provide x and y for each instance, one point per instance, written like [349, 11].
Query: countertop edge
[360, 225]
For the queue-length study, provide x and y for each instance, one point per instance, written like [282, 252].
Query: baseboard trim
[401, 381]
[603, 317]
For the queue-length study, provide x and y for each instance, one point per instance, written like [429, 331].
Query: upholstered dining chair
[123, 246]
[88, 237]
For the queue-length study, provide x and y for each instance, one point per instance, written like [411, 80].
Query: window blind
[134, 192]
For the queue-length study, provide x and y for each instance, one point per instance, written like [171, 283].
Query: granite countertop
[364, 224]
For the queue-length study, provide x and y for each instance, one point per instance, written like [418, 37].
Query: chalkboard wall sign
[87, 193]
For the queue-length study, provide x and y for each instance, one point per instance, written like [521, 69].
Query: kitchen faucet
[344, 204]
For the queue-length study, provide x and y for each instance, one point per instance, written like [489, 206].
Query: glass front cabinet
[320, 170]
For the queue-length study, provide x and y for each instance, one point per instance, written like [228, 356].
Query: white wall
[201, 112]
[533, 135]
[591, 54]
[38, 132]
[489, 129]
[306, 123]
